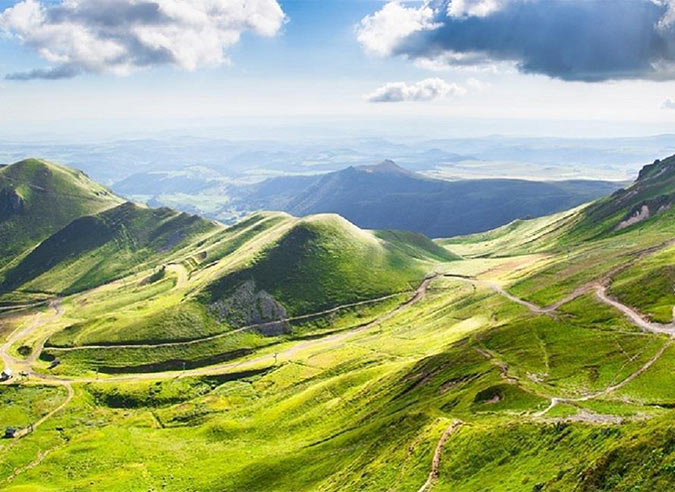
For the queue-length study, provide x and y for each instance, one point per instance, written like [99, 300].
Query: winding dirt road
[418, 295]
[600, 289]
[601, 293]
[231, 332]
[18, 365]
[633, 315]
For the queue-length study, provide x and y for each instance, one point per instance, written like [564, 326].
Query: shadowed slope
[95, 249]
[37, 198]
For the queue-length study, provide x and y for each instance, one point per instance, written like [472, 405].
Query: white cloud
[668, 104]
[120, 36]
[474, 8]
[669, 17]
[425, 90]
[382, 31]
[479, 85]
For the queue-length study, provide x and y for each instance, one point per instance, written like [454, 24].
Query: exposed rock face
[246, 307]
[11, 202]
[637, 216]
[645, 210]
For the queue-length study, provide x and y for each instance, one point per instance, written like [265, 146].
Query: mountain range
[381, 196]
[386, 196]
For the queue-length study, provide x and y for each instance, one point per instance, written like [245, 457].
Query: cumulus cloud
[385, 29]
[424, 90]
[582, 40]
[120, 36]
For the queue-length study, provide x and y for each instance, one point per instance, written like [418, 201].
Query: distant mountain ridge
[387, 166]
[387, 196]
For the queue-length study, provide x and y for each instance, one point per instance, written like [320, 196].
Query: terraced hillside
[307, 354]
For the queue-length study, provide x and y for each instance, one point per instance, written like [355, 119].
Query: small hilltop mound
[324, 261]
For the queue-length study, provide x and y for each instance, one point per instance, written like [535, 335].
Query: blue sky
[316, 68]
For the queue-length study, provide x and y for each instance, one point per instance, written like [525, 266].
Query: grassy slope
[94, 250]
[368, 414]
[37, 198]
[323, 261]
[365, 411]
[649, 285]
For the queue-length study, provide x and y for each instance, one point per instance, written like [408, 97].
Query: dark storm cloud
[585, 40]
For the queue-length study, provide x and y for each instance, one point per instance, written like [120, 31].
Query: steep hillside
[96, 249]
[386, 196]
[652, 194]
[646, 204]
[37, 198]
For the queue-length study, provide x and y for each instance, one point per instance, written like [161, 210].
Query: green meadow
[307, 354]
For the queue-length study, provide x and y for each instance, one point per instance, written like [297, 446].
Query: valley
[156, 348]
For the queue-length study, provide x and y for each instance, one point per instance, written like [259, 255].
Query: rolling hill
[386, 196]
[96, 249]
[37, 198]
[289, 353]
[324, 260]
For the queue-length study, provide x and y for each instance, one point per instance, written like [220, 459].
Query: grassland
[389, 342]
[38, 198]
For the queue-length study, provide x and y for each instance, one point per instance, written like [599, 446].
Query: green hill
[652, 194]
[37, 198]
[541, 359]
[324, 260]
[96, 249]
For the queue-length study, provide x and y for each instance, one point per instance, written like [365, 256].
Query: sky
[251, 67]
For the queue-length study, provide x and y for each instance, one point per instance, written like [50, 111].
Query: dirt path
[601, 293]
[231, 332]
[634, 316]
[611, 389]
[181, 274]
[529, 305]
[41, 455]
[419, 294]
[69, 397]
[25, 432]
[18, 365]
[18, 471]
[436, 461]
